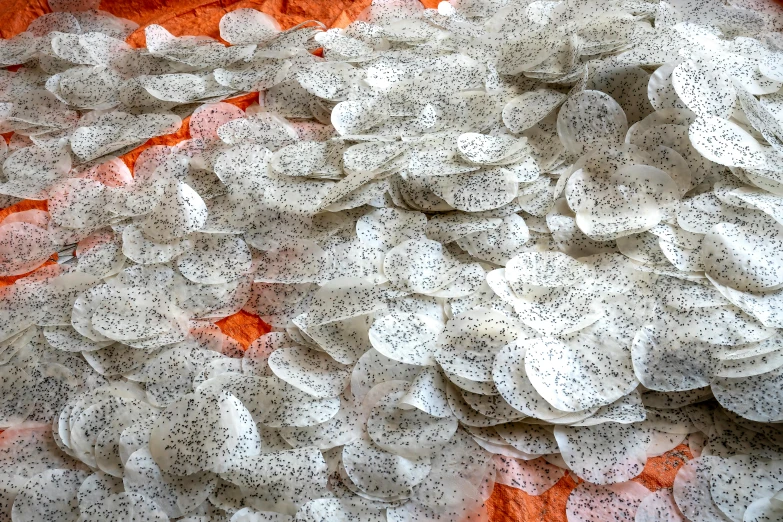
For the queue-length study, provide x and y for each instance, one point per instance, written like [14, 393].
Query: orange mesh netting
[201, 17]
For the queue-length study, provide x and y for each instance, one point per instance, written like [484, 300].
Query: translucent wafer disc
[180, 211]
[23, 247]
[739, 480]
[589, 502]
[606, 462]
[513, 384]
[471, 340]
[311, 371]
[124, 506]
[175, 495]
[703, 89]
[726, 143]
[589, 119]
[248, 26]
[594, 381]
[51, 495]
[196, 415]
[754, 397]
[437, 248]
[416, 346]
[215, 259]
[534, 477]
[526, 110]
[730, 244]
[362, 461]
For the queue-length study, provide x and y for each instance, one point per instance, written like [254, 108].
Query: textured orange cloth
[201, 17]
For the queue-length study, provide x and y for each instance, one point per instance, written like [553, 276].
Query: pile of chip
[496, 241]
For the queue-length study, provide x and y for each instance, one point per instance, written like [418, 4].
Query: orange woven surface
[201, 17]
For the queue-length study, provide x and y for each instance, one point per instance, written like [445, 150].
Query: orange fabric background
[201, 17]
